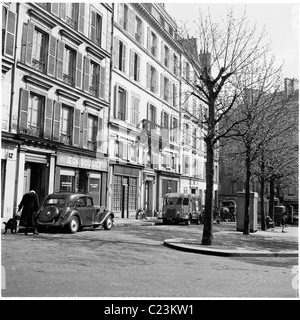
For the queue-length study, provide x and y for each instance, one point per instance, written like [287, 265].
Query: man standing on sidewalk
[283, 221]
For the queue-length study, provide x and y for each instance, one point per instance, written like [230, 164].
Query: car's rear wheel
[74, 225]
[108, 223]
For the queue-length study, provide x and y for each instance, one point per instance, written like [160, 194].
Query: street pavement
[230, 242]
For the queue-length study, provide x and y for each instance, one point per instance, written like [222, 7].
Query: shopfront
[82, 174]
[124, 190]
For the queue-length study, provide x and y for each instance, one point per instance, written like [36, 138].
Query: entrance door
[124, 209]
[148, 204]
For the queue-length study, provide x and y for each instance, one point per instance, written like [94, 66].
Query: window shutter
[100, 139]
[148, 76]
[131, 63]
[116, 52]
[78, 70]
[115, 101]
[52, 56]
[121, 14]
[63, 11]
[124, 58]
[93, 26]
[10, 34]
[30, 29]
[84, 130]
[48, 119]
[86, 77]
[24, 102]
[162, 86]
[81, 17]
[138, 68]
[102, 82]
[131, 28]
[162, 53]
[56, 120]
[60, 60]
[148, 39]
[76, 127]
[54, 8]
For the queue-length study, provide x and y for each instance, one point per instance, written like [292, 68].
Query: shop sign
[82, 162]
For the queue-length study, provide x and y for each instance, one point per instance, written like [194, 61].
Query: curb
[178, 245]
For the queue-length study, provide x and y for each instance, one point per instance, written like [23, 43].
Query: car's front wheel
[74, 225]
[108, 223]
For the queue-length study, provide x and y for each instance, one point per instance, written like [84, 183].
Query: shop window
[67, 183]
[117, 196]
[132, 201]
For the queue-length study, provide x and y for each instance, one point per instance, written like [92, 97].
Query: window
[165, 83]
[135, 106]
[166, 58]
[187, 136]
[125, 21]
[69, 65]
[132, 201]
[120, 103]
[65, 125]
[152, 42]
[71, 13]
[138, 29]
[120, 55]
[186, 164]
[174, 96]
[39, 50]
[135, 62]
[117, 196]
[174, 130]
[94, 78]
[92, 128]
[152, 77]
[35, 107]
[152, 116]
[175, 65]
[96, 28]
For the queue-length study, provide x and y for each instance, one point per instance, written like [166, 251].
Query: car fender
[68, 217]
[103, 216]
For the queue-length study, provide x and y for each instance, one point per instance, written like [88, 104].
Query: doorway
[124, 207]
[148, 202]
[36, 178]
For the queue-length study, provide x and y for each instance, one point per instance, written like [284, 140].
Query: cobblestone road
[132, 262]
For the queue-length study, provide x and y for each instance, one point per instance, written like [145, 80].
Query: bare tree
[227, 49]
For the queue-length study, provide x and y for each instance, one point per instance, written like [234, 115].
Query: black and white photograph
[149, 154]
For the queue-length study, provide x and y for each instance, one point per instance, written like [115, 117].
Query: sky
[281, 22]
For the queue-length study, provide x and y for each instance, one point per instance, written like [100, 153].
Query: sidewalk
[229, 242]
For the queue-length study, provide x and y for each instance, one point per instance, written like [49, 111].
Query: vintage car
[72, 211]
[181, 207]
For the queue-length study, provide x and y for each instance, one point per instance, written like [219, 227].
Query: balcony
[38, 65]
[91, 145]
[68, 79]
[65, 139]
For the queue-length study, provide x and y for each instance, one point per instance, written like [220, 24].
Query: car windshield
[55, 201]
[173, 201]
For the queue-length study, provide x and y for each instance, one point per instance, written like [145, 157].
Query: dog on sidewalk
[11, 224]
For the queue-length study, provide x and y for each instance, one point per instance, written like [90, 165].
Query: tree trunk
[247, 196]
[207, 236]
[262, 207]
[272, 195]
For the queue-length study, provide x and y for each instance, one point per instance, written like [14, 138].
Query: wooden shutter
[56, 120]
[60, 60]
[9, 45]
[131, 18]
[138, 68]
[102, 82]
[48, 119]
[63, 11]
[52, 56]
[78, 82]
[55, 8]
[24, 102]
[116, 53]
[162, 85]
[84, 130]
[148, 39]
[29, 44]
[124, 58]
[148, 76]
[121, 14]
[100, 138]
[81, 17]
[162, 53]
[93, 26]
[86, 76]
[76, 127]
[131, 63]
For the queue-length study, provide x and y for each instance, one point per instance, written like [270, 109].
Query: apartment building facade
[94, 99]
[55, 89]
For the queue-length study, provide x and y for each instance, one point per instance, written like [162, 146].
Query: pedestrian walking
[29, 206]
[283, 221]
